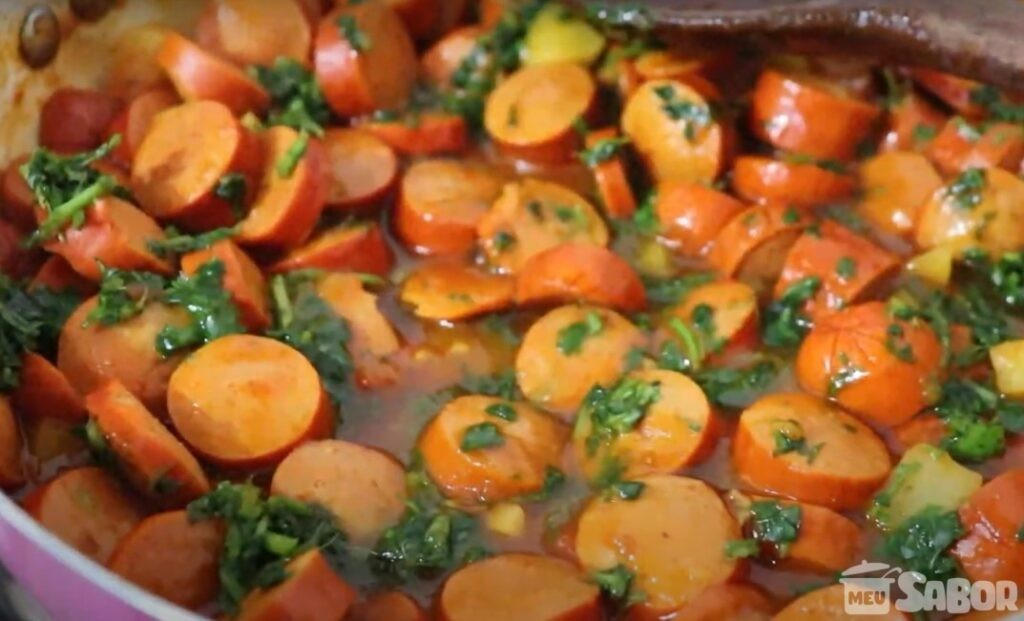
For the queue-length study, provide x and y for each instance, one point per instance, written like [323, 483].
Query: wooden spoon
[980, 39]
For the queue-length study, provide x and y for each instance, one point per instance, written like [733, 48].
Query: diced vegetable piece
[926, 477]
[934, 266]
[1008, 362]
[556, 36]
[506, 518]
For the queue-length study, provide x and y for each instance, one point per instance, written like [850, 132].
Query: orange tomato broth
[436, 355]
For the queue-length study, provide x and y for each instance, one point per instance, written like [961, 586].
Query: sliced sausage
[992, 517]
[443, 59]
[613, 189]
[86, 509]
[894, 186]
[953, 90]
[531, 114]
[245, 401]
[514, 462]
[798, 446]
[556, 374]
[654, 537]
[580, 273]
[753, 245]
[114, 233]
[826, 542]
[361, 168]
[133, 66]
[673, 64]
[762, 179]
[691, 215]
[423, 133]
[12, 472]
[364, 59]
[44, 392]
[420, 17]
[16, 196]
[882, 368]
[672, 128]
[912, 124]
[452, 291]
[255, 33]
[512, 587]
[961, 146]
[172, 557]
[132, 123]
[199, 75]
[442, 202]
[677, 430]
[805, 114]
[373, 338]
[848, 266]
[56, 274]
[90, 355]
[154, 460]
[829, 604]
[47, 439]
[364, 488]
[387, 606]
[291, 194]
[312, 590]
[728, 601]
[187, 152]
[74, 119]
[531, 216]
[993, 224]
[723, 314]
[243, 281]
[348, 247]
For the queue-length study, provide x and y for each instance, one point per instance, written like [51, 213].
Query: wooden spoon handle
[983, 40]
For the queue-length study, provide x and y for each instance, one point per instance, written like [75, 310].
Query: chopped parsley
[504, 411]
[670, 291]
[967, 188]
[178, 243]
[1005, 276]
[262, 535]
[846, 269]
[289, 161]
[896, 344]
[789, 438]
[232, 188]
[922, 134]
[741, 548]
[296, 100]
[211, 311]
[737, 387]
[617, 410]
[350, 30]
[775, 523]
[976, 419]
[66, 185]
[29, 321]
[785, 322]
[503, 241]
[303, 320]
[124, 294]
[481, 436]
[616, 583]
[571, 337]
[695, 117]
[847, 374]
[602, 150]
[430, 537]
[921, 543]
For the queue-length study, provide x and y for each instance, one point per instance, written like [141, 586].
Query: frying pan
[981, 39]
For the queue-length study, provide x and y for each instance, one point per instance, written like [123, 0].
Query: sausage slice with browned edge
[246, 401]
[147, 453]
[363, 487]
[170, 556]
[191, 156]
[87, 509]
[516, 587]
